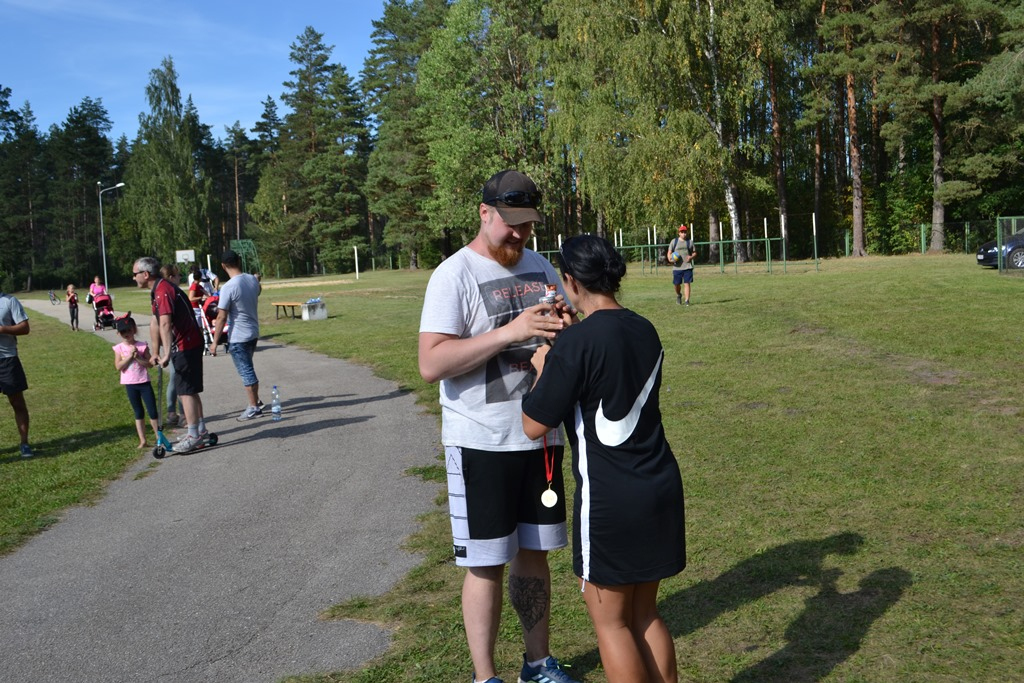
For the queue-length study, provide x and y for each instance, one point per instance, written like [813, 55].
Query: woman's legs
[635, 644]
[651, 633]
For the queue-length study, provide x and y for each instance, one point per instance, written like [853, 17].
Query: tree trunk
[818, 171]
[855, 168]
[938, 242]
[839, 143]
[713, 236]
[780, 174]
[732, 204]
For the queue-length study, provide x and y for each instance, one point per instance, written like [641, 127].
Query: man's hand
[542, 320]
[444, 355]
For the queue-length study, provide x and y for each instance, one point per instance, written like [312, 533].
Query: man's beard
[506, 255]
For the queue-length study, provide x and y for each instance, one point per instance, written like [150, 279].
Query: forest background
[856, 118]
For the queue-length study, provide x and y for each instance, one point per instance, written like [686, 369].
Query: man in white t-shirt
[480, 325]
[239, 299]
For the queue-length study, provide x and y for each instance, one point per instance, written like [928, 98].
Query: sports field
[849, 440]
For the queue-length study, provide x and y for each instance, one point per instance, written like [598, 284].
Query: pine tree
[398, 176]
[309, 205]
[482, 85]
[168, 194]
[22, 194]
[80, 156]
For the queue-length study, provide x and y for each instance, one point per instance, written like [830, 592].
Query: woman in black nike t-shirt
[602, 379]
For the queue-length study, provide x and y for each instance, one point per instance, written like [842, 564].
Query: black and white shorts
[494, 504]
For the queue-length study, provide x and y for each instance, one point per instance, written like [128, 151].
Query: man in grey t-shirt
[239, 298]
[681, 255]
[14, 323]
[481, 324]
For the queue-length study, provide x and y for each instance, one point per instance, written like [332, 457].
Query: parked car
[1013, 252]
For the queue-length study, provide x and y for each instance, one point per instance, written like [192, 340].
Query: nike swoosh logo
[613, 432]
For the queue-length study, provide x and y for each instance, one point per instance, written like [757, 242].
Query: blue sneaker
[548, 672]
[492, 679]
[26, 451]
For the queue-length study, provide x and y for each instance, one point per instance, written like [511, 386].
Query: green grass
[850, 446]
[81, 428]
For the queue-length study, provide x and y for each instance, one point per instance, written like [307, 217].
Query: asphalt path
[215, 566]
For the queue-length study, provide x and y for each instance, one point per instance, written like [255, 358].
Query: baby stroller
[207, 318]
[103, 307]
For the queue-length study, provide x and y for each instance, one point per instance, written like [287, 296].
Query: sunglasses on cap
[516, 198]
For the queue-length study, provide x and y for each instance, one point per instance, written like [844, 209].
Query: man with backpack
[681, 254]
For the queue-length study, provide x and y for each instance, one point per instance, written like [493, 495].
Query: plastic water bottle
[275, 404]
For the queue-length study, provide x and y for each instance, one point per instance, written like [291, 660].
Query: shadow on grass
[64, 445]
[828, 631]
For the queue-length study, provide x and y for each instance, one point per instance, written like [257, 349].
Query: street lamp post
[103, 241]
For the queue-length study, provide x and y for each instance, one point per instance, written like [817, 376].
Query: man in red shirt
[176, 339]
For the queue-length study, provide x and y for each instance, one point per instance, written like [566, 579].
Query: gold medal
[549, 498]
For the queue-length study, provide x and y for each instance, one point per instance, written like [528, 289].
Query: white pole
[814, 224]
[655, 234]
[766, 227]
[648, 235]
[103, 240]
[559, 241]
[355, 250]
[535, 243]
[622, 241]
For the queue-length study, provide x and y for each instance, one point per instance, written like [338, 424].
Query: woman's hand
[538, 359]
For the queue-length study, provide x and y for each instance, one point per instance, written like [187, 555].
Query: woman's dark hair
[593, 262]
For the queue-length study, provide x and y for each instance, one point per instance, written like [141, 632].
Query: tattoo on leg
[529, 598]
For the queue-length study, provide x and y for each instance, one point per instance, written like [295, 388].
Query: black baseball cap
[515, 196]
[230, 258]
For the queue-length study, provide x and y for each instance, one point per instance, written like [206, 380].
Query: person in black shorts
[13, 383]
[176, 338]
[602, 379]
[481, 321]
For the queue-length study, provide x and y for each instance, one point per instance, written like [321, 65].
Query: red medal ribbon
[549, 461]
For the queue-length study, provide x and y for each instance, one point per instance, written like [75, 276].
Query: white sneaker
[188, 443]
[249, 413]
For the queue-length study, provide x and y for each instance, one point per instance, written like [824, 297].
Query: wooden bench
[280, 306]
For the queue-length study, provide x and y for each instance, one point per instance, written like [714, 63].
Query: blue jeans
[241, 354]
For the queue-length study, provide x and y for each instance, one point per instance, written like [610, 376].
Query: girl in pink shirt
[132, 359]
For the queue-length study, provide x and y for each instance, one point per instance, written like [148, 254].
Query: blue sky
[229, 55]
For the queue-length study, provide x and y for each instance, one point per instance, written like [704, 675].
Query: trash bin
[314, 311]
